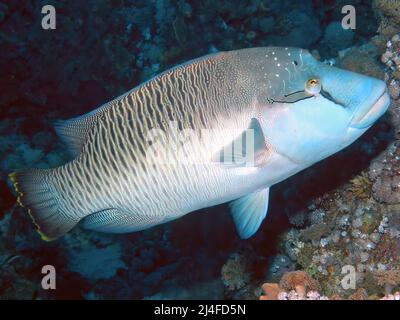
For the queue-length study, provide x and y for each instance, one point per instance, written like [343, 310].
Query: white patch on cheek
[281, 137]
[270, 114]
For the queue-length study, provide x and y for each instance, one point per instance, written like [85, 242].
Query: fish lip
[380, 106]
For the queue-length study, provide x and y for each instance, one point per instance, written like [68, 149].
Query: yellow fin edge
[14, 181]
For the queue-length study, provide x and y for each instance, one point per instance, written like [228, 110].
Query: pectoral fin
[247, 150]
[249, 211]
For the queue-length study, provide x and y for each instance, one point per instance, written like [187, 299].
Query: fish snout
[372, 107]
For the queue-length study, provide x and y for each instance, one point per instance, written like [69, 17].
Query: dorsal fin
[73, 132]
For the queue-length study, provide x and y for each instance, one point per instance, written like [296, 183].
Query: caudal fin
[37, 194]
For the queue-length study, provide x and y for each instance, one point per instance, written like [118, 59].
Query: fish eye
[313, 86]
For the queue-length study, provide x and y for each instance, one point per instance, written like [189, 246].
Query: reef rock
[385, 174]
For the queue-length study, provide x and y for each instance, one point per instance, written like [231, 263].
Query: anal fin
[118, 221]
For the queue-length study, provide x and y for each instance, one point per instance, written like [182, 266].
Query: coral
[279, 266]
[297, 219]
[295, 285]
[387, 28]
[385, 174]
[362, 59]
[299, 281]
[360, 294]
[305, 255]
[361, 186]
[394, 89]
[391, 58]
[292, 244]
[315, 232]
[303, 288]
[360, 233]
[389, 8]
[394, 296]
[306, 288]
[271, 291]
[235, 273]
[388, 279]
[293, 295]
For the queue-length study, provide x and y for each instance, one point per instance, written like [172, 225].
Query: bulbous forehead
[277, 71]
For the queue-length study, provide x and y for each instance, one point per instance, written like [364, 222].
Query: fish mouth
[366, 118]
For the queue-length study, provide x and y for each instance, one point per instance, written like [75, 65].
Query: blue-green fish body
[221, 128]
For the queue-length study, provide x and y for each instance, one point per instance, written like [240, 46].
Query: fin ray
[249, 211]
[118, 221]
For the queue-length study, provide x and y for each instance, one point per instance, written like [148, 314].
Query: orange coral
[299, 281]
[360, 294]
[304, 287]
[271, 291]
